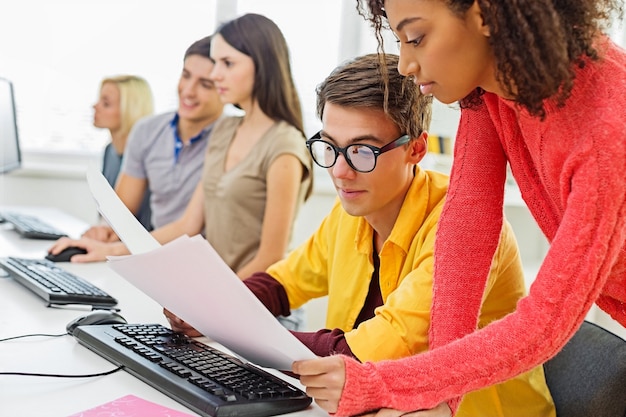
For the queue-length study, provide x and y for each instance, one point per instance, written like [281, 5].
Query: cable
[32, 335]
[119, 368]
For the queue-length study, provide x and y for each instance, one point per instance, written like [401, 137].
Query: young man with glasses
[373, 254]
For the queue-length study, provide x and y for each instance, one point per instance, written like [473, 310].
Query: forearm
[258, 263]
[169, 232]
[481, 359]
[117, 249]
[325, 342]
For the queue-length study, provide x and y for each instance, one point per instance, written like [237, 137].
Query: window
[56, 53]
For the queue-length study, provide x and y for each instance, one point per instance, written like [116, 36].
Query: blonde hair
[135, 99]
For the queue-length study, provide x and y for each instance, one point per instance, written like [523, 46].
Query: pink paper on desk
[130, 406]
[190, 279]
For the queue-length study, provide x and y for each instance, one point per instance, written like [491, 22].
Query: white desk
[22, 312]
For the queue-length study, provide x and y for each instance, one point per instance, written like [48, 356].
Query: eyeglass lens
[361, 157]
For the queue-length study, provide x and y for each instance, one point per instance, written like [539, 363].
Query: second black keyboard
[32, 227]
[205, 379]
[54, 284]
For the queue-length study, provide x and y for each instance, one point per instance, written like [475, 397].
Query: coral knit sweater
[571, 170]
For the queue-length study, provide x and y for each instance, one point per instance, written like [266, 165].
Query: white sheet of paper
[123, 222]
[191, 280]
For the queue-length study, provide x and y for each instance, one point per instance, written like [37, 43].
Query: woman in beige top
[257, 170]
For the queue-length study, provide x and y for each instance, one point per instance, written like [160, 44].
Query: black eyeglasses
[360, 156]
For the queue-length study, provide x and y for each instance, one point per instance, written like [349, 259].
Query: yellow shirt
[337, 261]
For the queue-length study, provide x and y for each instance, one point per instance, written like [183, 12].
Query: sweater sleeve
[584, 252]
[325, 342]
[270, 292]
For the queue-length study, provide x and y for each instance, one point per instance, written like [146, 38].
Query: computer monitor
[10, 155]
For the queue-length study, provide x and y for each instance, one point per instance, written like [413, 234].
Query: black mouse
[66, 254]
[95, 317]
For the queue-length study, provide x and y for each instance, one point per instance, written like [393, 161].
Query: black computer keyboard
[54, 284]
[32, 227]
[208, 381]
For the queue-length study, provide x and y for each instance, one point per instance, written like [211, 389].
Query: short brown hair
[200, 47]
[373, 81]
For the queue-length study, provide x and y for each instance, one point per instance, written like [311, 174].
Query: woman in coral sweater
[542, 89]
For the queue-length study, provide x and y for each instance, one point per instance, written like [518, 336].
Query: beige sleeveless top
[234, 201]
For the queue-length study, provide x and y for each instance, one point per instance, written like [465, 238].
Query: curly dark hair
[537, 44]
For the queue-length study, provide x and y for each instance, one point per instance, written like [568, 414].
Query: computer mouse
[95, 317]
[66, 254]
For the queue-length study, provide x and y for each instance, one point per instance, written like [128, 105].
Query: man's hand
[324, 379]
[96, 250]
[102, 233]
[179, 325]
[442, 410]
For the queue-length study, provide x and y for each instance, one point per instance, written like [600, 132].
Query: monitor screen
[10, 157]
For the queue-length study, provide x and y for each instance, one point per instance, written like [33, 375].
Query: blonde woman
[123, 100]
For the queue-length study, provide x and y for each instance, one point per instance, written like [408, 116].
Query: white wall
[52, 181]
